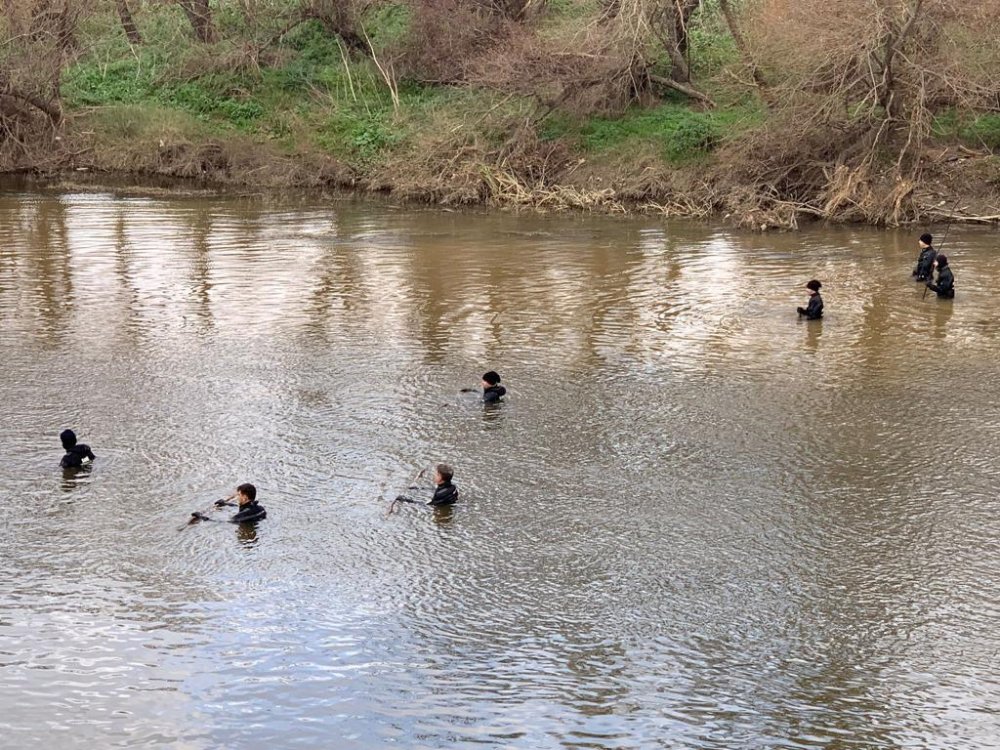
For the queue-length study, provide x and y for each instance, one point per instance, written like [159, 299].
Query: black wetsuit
[74, 456]
[925, 264]
[945, 286]
[814, 310]
[444, 494]
[493, 394]
[252, 511]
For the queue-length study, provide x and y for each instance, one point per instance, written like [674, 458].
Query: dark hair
[814, 285]
[926, 239]
[249, 490]
[942, 260]
[492, 377]
[445, 471]
[68, 438]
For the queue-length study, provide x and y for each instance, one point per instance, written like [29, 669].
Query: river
[696, 521]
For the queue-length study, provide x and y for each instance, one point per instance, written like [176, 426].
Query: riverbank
[302, 110]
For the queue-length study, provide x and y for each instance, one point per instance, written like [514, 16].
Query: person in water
[77, 454]
[493, 392]
[813, 310]
[945, 286]
[246, 502]
[445, 493]
[925, 263]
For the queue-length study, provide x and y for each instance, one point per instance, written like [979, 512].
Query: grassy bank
[302, 108]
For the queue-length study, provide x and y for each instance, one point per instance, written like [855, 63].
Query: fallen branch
[54, 113]
[962, 217]
[683, 88]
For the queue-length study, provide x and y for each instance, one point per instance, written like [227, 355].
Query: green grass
[679, 133]
[977, 131]
[310, 93]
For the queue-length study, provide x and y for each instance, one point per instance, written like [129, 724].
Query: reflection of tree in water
[201, 264]
[126, 278]
[50, 260]
[337, 289]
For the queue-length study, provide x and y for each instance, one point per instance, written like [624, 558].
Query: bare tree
[128, 23]
[200, 15]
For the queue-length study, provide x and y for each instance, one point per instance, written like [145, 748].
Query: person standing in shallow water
[945, 286]
[248, 509]
[445, 493]
[925, 263]
[814, 309]
[76, 453]
[493, 392]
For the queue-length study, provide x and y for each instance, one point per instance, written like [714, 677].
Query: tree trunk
[674, 16]
[893, 43]
[128, 24]
[741, 43]
[200, 16]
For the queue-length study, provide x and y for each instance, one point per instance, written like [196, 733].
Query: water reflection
[695, 522]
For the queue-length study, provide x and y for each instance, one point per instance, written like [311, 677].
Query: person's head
[490, 378]
[246, 493]
[68, 438]
[941, 260]
[813, 285]
[443, 473]
[926, 240]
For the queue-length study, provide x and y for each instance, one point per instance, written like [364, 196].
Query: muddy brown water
[697, 522]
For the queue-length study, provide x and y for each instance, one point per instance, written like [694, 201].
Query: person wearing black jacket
[945, 286]
[246, 502]
[76, 453]
[813, 310]
[493, 392]
[445, 493]
[925, 263]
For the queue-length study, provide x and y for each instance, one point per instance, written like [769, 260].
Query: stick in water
[202, 515]
[400, 498]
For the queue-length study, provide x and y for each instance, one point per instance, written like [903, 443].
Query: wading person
[77, 454]
[248, 509]
[814, 309]
[925, 263]
[493, 392]
[945, 286]
[445, 493]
